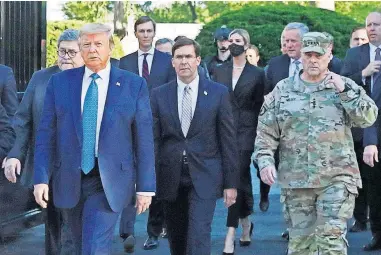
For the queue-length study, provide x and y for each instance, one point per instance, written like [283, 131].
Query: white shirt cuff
[147, 194]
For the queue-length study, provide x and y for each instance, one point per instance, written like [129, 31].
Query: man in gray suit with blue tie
[96, 128]
[25, 123]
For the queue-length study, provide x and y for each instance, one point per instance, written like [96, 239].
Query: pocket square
[118, 84]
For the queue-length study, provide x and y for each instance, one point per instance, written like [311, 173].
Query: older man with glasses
[19, 161]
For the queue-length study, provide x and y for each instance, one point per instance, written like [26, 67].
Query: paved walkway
[266, 238]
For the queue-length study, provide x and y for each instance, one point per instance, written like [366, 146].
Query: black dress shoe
[358, 227]
[229, 253]
[151, 243]
[129, 244]
[247, 243]
[264, 204]
[375, 244]
[286, 235]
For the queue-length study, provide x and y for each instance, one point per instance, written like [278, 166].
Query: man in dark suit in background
[96, 128]
[335, 64]
[286, 65]
[25, 123]
[156, 68]
[360, 213]
[195, 149]
[362, 64]
[8, 95]
[147, 62]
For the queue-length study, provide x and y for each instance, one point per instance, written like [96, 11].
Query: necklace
[239, 67]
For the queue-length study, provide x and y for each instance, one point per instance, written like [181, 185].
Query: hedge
[265, 25]
[55, 28]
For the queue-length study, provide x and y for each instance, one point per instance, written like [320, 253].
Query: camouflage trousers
[317, 218]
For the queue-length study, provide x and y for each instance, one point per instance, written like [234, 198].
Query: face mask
[236, 50]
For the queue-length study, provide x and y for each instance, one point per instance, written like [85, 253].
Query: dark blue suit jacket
[26, 120]
[161, 70]
[125, 134]
[8, 94]
[356, 60]
[211, 145]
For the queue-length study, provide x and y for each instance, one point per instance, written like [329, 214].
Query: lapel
[173, 105]
[241, 80]
[365, 60]
[229, 76]
[155, 67]
[76, 91]
[284, 68]
[135, 63]
[202, 96]
[113, 95]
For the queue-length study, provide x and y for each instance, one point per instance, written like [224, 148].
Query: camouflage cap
[315, 42]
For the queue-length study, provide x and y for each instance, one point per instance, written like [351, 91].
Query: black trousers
[360, 212]
[156, 221]
[53, 223]
[374, 197]
[189, 220]
[243, 206]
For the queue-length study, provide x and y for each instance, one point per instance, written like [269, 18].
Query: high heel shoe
[247, 243]
[229, 253]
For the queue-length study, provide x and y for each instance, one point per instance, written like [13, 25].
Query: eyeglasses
[71, 53]
[181, 57]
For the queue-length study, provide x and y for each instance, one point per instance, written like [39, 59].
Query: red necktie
[145, 71]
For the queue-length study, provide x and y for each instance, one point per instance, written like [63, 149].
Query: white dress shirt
[372, 56]
[292, 66]
[180, 92]
[149, 60]
[102, 83]
[234, 83]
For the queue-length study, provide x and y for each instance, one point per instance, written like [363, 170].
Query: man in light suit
[8, 95]
[96, 128]
[25, 123]
[362, 64]
[156, 68]
[196, 151]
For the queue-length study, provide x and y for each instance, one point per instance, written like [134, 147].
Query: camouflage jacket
[311, 126]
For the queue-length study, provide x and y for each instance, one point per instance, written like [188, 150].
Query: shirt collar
[102, 73]
[150, 52]
[373, 47]
[192, 84]
[293, 60]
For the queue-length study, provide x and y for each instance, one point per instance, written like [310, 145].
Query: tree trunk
[192, 6]
[120, 27]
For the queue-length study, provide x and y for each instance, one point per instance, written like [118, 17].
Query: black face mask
[236, 50]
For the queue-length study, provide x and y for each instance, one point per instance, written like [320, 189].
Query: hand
[373, 67]
[268, 175]
[11, 166]
[370, 155]
[142, 203]
[230, 196]
[41, 194]
[336, 81]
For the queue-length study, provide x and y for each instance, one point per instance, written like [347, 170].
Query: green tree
[265, 25]
[88, 11]
[357, 10]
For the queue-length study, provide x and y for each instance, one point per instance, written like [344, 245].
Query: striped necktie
[297, 69]
[145, 71]
[186, 113]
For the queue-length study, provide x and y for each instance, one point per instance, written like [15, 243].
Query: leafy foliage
[90, 11]
[55, 28]
[265, 25]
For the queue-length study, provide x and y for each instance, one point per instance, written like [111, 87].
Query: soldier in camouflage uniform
[309, 117]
